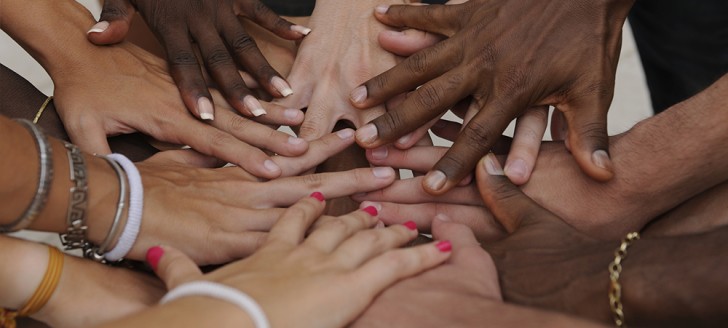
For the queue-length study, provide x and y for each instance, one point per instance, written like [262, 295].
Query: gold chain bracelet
[615, 270]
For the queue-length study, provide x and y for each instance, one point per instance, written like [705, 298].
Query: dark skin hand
[224, 46]
[564, 56]
[548, 264]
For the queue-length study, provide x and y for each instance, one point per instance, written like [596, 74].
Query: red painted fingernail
[444, 246]
[318, 196]
[371, 210]
[154, 254]
[410, 225]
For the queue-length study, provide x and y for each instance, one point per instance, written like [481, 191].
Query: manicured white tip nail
[381, 9]
[99, 27]
[254, 106]
[282, 86]
[300, 29]
[204, 107]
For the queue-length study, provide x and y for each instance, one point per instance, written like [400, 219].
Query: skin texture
[353, 264]
[505, 68]
[224, 44]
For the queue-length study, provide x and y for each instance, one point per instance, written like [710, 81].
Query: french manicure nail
[359, 94]
[444, 246]
[601, 159]
[99, 27]
[271, 166]
[295, 141]
[382, 172]
[492, 166]
[405, 139]
[300, 29]
[435, 180]
[380, 153]
[367, 133]
[410, 225]
[318, 196]
[516, 168]
[204, 106]
[254, 106]
[282, 86]
[381, 9]
[371, 210]
[345, 134]
[154, 254]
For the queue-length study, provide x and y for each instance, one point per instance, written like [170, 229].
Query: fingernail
[601, 159]
[404, 140]
[254, 106]
[516, 168]
[442, 217]
[382, 172]
[318, 196]
[380, 153]
[204, 106]
[99, 27]
[282, 86]
[154, 254]
[271, 166]
[372, 204]
[466, 180]
[395, 34]
[410, 225]
[345, 134]
[492, 166]
[444, 246]
[380, 225]
[300, 29]
[435, 180]
[381, 9]
[359, 94]
[367, 133]
[291, 113]
[371, 210]
[295, 141]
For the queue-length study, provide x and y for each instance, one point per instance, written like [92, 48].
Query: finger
[318, 151]
[418, 159]
[412, 72]
[114, 22]
[588, 137]
[527, 139]
[559, 128]
[335, 184]
[510, 206]
[407, 42]
[90, 138]
[426, 103]
[172, 266]
[409, 191]
[447, 130]
[330, 235]
[366, 244]
[410, 139]
[291, 227]
[185, 157]
[443, 228]
[440, 19]
[319, 120]
[259, 135]
[265, 17]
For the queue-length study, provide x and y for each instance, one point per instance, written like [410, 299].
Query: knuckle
[237, 123]
[218, 57]
[243, 43]
[182, 58]
[428, 96]
[313, 181]
[390, 122]
[418, 63]
[371, 237]
[592, 130]
[113, 11]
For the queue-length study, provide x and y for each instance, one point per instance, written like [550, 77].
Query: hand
[224, 45]
[521, 70]
[219, 215]
[135, 93]
[296, 281]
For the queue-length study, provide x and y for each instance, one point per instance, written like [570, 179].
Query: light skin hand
[579, 82]
[224, 44]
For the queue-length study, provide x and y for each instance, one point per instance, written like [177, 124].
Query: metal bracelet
[45, 177]
[75, 236]
[97, 253]
[615, 270]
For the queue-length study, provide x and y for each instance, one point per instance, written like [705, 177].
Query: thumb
[113, 24]
[172, 266]
[91, 138]
[588, 139]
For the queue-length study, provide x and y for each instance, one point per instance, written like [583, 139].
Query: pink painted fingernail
[367, 133]
[435, 180]
[444, 246]
[154, 254]
[254, 106]
[99, 27]
[492, 166]
[359, 94]
[371, 210]
[365, 204]
[282, 86]
[381, 9]
[300, 29]
[204, 106]
[318, 196]
[410, 225]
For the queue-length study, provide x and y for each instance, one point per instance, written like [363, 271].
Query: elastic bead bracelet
[45, 177]
[136, 209]
[97, 253]
[222, 292]
[75, 236]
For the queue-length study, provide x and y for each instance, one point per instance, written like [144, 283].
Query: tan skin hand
[565, 56]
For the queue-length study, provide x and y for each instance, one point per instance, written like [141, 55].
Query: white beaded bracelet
[222, 292]
[136, 208]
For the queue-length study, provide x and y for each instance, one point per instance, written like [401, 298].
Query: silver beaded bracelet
[44, 180]
[75, 236]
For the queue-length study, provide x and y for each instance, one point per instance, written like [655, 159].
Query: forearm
[19, 280]
[188, 312]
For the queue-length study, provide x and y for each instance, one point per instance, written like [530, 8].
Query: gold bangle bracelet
[615, 270]
[42, 109]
